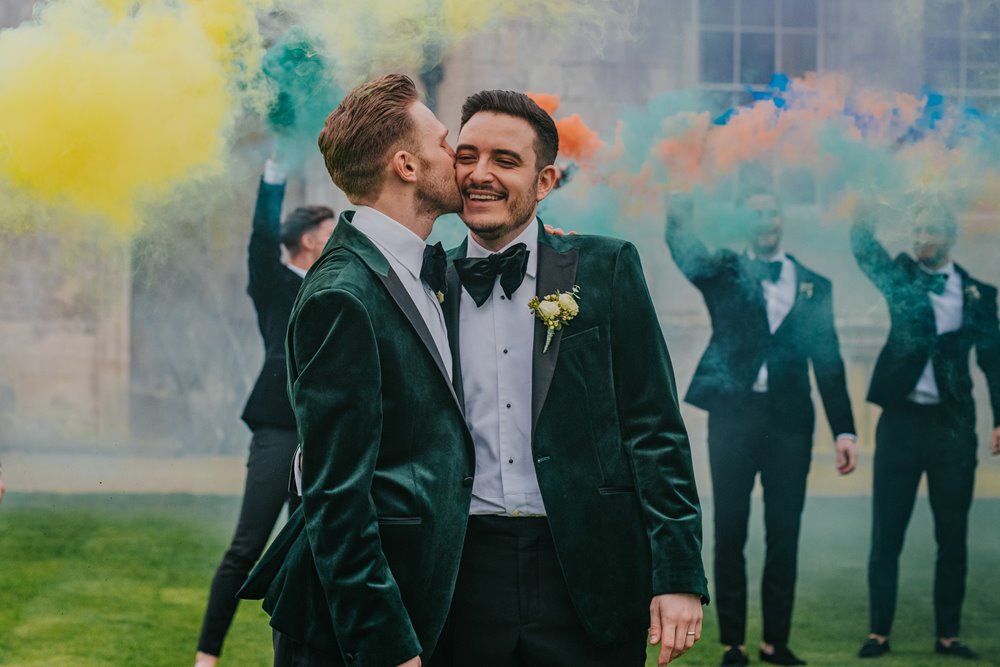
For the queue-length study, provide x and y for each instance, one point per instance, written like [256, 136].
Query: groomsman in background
[921, 379]
[771, 317]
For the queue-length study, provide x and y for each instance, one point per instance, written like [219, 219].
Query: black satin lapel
[556, 271]
[452, 310]
[405, 303]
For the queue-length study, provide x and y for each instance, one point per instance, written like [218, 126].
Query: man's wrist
[849, 436]
[274, 173]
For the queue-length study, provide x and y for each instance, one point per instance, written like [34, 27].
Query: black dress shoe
[781, 656]
[956, 649]
[873, 648]
[734, 657]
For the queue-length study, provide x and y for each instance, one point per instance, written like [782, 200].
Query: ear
[547, 178]
[404, 166]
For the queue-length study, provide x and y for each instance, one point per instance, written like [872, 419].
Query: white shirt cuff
[274, 174]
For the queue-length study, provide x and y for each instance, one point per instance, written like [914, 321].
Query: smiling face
[436, 192]
[497, 173]
[765, 233]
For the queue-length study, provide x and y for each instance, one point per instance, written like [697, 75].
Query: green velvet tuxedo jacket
[610, 448]
[387, 468]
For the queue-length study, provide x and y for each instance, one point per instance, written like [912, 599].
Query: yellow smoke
[368, 37]
[107, 104]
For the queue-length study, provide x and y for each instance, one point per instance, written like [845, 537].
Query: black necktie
[433, 268]
[479, 275]
[936, 282]
[769, 271]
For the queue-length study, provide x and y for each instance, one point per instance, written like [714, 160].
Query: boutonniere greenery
[972, 292]
[555, 311]
[806, 290]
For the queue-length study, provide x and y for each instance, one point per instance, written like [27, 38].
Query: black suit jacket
[913, 337]
[273, 288]
[742, 340]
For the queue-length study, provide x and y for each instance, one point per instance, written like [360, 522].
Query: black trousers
[291, 653]
[511, 606]
[912, 440]
[265, 493]
[743, 441]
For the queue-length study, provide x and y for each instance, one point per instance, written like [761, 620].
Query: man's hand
[557, 231]
[847, 455]
[994, 448]
[674, 624]
[413, 662]
[1, 489]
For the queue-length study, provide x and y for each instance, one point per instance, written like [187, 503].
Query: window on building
[743, 43]
[962, 51]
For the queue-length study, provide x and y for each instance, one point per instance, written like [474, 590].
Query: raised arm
[264, 256]
[873, 259]
[692, 257]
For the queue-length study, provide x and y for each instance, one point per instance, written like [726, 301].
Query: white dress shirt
[496, 341]
[779, 298]
[947, 318]
[297, 270]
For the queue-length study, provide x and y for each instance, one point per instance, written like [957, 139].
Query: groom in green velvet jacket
[363, 573]
[584, 532]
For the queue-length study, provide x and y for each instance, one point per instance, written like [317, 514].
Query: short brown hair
[372, 120]
[521, 106]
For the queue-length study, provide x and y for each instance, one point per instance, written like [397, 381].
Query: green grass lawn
[122, 580]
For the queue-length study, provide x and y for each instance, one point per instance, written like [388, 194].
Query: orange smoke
[549, 103]
[576, 140]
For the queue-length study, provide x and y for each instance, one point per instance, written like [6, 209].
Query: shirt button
[467, 482]
[505, 350]
[508, 405]
[503, 298]
[510, 460]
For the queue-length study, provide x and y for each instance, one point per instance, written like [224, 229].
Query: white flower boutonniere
[806, 290]
[555, 310]
[440, 295]
[972, 292]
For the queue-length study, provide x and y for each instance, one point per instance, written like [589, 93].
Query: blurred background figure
[770, 317]
[938, 312]
[273, 286]
[1, 483]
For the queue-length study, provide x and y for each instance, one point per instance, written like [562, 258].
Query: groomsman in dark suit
[273, 286]
[585, 528]
[938, 313]
[771, 317]
[363, 573]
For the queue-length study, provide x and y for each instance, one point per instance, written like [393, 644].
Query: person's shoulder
[987, 290]
[338, 270]
[819, 281]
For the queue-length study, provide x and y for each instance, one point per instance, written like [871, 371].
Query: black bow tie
[769, 271]
[936, 282]
[479, 275]
[433, 268]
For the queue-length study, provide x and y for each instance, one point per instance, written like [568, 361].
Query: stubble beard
[438, 196]
[518, 216]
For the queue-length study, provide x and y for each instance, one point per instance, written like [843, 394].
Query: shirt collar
[528, 236]
[779, 256]
[946, 270]
[390, 236]
[297, 270]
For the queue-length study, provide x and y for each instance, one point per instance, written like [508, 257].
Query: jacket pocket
[400, 520]
[585, 337]
[613, 490]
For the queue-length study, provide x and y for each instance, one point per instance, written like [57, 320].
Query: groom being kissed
[584, 531]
